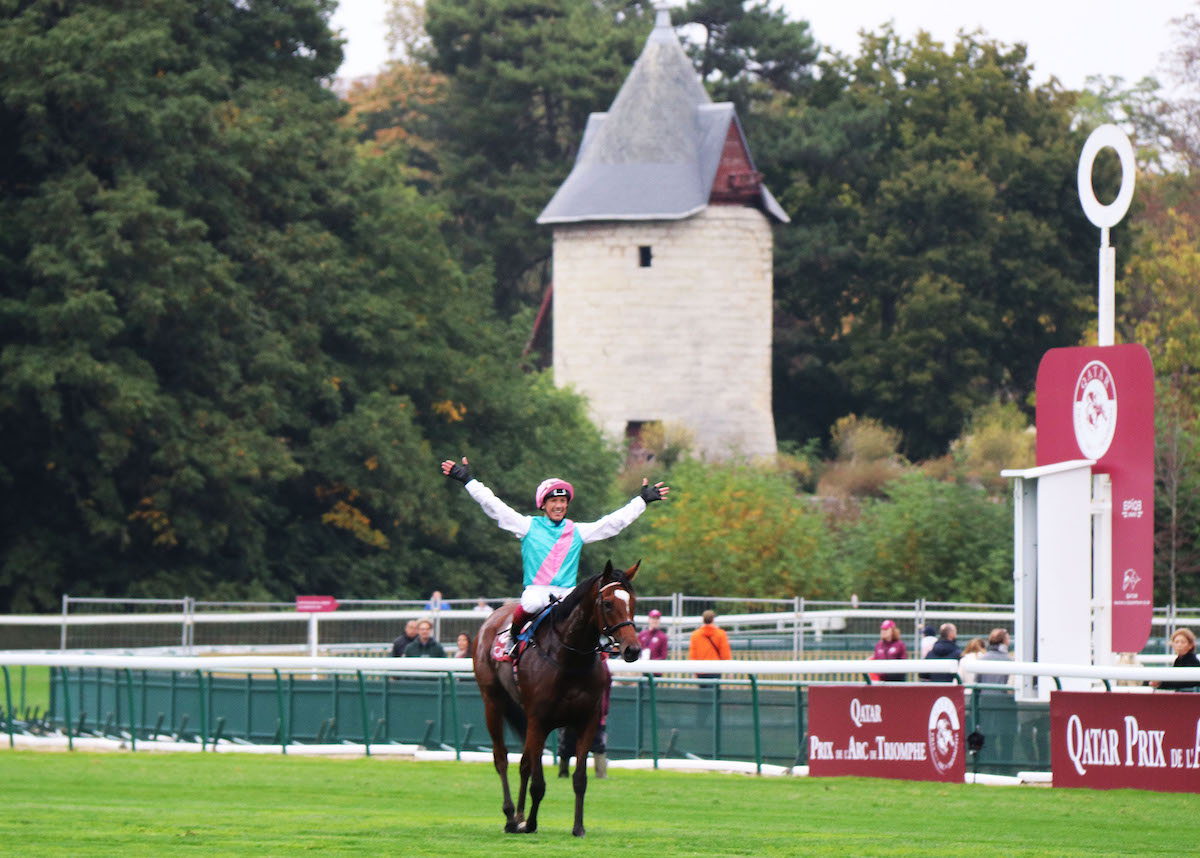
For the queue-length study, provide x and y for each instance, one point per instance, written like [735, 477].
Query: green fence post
[653, 720]
[132, 714]
[282, 712]
[66, 705]
[203, 712]
[362, 705]
[22, 704]
[9, 718]
[757, 732]
[454, 713]
[716, 704]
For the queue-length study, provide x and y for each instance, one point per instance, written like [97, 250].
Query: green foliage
[929, 539]
[733, 528]
[748, 51]
[229, 347]
[937, 242]
[523, 75]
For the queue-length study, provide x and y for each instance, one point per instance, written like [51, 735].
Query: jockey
[550, 543]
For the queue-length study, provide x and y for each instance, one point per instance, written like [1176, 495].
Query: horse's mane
[571, 602]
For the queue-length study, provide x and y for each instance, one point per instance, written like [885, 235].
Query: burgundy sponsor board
[909, 732]
[316, 604]
[1097, 402]
[1107, 740]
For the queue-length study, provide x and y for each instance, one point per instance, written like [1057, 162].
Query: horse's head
[615, 604]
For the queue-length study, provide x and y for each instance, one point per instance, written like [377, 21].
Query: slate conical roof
[654, 154]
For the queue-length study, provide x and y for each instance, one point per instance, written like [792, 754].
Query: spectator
[928, 639]
[482, 607]
[400, 644]
[709, 643]
[943, 647]
[653, 638]
[1184, 644]
[997, 650]
[889, 646]
[997, 708]
[425, 646]
[435, 602]
[463, 649]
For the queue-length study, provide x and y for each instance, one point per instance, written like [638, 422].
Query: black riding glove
[460, 473]
[650, 494]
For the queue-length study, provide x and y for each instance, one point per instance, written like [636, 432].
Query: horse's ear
[608, 568]
[632, 570]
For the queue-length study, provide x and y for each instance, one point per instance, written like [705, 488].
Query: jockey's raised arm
[551, 543]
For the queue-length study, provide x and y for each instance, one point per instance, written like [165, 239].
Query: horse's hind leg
[532, 773]
[493, 713]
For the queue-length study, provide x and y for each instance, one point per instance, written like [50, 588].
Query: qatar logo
[944, 734]
[1095, 410]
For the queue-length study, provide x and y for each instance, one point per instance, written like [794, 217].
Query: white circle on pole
[1113, 137]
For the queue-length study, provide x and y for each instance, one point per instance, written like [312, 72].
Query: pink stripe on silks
[554, 559]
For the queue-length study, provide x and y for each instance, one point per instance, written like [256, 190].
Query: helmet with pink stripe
[553, 488]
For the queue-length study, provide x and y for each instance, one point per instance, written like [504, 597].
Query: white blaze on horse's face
[622, 595]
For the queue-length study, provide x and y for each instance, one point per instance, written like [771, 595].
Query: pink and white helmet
[552, 487]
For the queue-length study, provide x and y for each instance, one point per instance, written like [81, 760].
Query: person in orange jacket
[709, 643]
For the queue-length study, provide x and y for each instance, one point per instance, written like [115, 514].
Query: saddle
[500, 646]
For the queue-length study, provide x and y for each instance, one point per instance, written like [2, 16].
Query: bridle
[612, 647]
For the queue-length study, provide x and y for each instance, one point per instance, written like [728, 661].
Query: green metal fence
[755, 720]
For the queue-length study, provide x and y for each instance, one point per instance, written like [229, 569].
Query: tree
[227, 346]
[748, 52]
[1160, 309]
[929, 539]
[737, 529]
[523, 75]
[937, 247]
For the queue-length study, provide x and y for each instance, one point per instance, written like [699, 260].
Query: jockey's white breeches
[537, 596]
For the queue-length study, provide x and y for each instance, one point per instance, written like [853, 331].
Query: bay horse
[559, 681]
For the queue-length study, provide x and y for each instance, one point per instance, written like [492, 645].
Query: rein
[610, 648]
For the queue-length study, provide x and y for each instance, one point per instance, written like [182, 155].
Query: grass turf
[150, 804]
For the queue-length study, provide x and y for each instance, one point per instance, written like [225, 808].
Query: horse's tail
[514, 715]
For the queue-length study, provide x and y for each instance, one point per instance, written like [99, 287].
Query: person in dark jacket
[400, 644]
[1184, 644]
[944, 647]
[425, 645]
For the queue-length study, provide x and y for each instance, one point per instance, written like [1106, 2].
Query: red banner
[912, 732]
[316, 604]
[1078, 392]
[1117, 741]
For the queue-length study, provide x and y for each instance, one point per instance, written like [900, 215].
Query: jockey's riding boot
[519, 619]
[601, 765]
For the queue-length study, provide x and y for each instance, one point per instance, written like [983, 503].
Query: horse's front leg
[493, 714]
[532, 774]
[582, 746]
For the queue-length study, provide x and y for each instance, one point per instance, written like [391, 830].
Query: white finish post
[1102, 569]
[1025, 579]
[1064, 616]
[1105, 301]
[1105, 216]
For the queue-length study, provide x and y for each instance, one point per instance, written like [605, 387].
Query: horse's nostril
[632, 653]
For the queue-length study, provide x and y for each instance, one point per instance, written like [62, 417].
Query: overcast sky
[1069, 39]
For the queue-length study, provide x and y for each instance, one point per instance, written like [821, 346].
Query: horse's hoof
[578, 832]
[511, 828]
[528, 828]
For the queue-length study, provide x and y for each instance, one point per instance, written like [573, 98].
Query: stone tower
[662, 290]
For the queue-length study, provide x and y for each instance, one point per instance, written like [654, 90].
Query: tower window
[644, 256]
